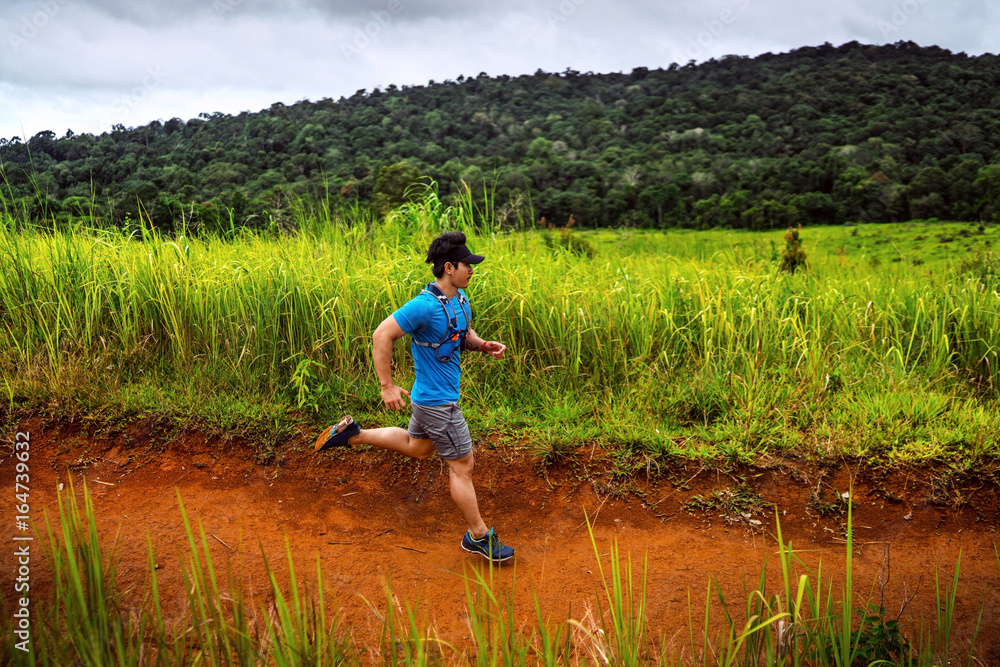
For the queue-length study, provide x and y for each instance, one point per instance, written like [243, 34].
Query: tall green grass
[805, 620]
[652, 341]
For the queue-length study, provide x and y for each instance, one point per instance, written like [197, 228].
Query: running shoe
[488, 546]
[338, 434]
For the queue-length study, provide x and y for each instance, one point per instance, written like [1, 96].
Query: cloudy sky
[85, 65]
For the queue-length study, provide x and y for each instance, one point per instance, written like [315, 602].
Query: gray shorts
[444, 425]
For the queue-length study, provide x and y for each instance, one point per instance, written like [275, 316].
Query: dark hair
[440, 248]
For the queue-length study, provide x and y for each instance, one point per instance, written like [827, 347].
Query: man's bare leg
[463, 492]
[394, 439]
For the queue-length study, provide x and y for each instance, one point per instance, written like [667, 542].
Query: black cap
[462, 254]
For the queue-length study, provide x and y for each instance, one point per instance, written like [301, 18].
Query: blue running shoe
[488, 546]
[338, 434]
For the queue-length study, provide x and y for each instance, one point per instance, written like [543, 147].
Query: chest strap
[453, 332]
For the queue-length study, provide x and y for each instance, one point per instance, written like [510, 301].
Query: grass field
[689, 344]
[678, 343]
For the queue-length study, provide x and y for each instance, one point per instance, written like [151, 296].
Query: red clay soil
[371, 516]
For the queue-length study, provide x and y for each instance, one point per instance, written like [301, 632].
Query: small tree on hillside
[395, 186]
[794, 256]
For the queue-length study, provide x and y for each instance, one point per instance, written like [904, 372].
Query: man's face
[462, 274]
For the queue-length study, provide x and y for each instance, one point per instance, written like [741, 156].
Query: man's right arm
[385, 335]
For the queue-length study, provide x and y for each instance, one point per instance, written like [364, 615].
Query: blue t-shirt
[424, 319]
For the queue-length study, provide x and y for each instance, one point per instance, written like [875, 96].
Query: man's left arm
[491, 347]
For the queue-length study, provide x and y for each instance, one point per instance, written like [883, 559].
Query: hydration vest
[454, 338]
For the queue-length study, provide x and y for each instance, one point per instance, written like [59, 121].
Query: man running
[438, 319]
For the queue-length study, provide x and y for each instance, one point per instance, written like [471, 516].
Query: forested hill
[818, 135]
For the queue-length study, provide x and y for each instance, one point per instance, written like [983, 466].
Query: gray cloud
[160, 13]
[84, 64]
[409, 11]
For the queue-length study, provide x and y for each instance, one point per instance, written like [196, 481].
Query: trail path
[371, 517]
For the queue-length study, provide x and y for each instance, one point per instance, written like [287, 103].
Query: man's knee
[422, 449]
[464, 465]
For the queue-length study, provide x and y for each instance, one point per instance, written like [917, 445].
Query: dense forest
[819, 135]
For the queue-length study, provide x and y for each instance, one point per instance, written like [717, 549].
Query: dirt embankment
[372, 517]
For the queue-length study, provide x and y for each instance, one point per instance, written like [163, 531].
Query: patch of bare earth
[371, 517]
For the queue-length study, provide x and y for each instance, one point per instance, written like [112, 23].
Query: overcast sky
[85, 65]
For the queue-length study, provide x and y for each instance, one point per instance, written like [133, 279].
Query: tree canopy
[818, 135]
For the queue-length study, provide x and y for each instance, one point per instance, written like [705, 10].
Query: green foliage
[564, 239]
[495, 627]
[769, 214]
[623, 639]
[821, 135]
[737, 505]
[983, 266]
[95, 624]
[308, 392]
[673, 343]
[878, 639]
[794, 256]
[396, 185]
[302, 635]
[988, 184]
[837, 506]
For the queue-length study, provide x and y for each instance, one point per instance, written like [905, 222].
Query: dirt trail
[371, 516]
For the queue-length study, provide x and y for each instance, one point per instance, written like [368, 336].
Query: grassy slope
[679, 343]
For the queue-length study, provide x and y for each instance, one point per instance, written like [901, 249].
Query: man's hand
[382, 340]
[494, 349]
[392, 397]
